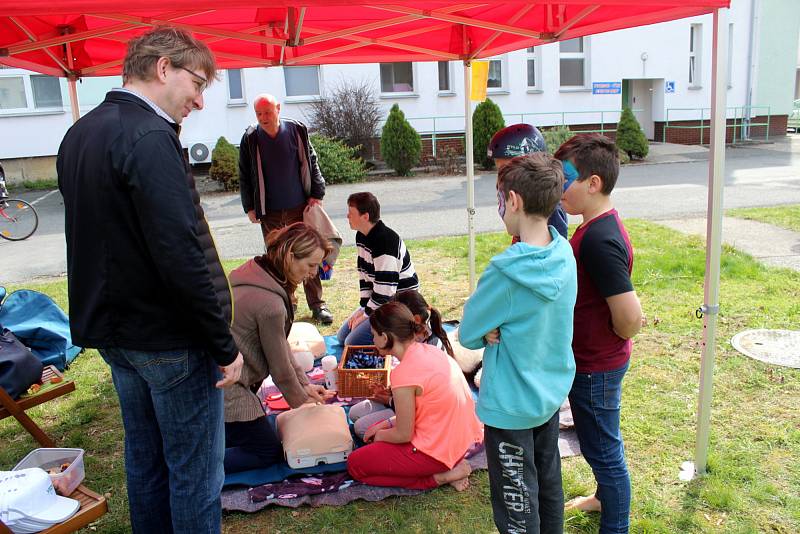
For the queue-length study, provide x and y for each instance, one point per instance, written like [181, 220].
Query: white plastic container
[46, 459]
[330, 366]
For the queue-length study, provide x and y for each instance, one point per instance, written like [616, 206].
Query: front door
[640, 95]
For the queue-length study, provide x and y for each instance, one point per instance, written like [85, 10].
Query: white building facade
[661, 71]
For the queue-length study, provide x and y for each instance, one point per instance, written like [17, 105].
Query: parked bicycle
[18, 218]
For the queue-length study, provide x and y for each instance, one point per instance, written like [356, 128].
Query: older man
[279, 177]
[146, 286]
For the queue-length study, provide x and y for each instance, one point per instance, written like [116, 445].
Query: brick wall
[691, 136]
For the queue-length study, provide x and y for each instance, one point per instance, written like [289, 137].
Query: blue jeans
[595, 402]
[174, 440]
[360, 335]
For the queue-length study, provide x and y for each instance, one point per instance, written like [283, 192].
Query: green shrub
[401, 145]
[630, 137]
[486, 121]
[225, 165]
[556, 136]
[339, 163]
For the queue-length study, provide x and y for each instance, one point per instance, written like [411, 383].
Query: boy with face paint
[521, 314]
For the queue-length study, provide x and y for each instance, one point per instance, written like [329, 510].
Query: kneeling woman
[262, 288]
[435, 424]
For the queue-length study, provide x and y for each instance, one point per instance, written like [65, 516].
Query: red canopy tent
[77, 38]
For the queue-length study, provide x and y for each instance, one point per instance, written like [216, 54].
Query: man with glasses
[279, 178]
[146, 286]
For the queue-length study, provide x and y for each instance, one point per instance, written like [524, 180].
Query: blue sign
[669, 86]
[606, 88]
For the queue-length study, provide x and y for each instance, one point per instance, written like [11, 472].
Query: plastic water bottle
[329, 365]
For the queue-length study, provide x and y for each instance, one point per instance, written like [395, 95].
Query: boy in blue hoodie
[521, 312]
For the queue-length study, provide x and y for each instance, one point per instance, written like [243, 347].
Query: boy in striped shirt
[384, 266]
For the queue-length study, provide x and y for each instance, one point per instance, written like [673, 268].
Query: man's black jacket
[142, 269]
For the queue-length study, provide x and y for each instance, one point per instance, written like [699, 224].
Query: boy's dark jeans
[525, 479]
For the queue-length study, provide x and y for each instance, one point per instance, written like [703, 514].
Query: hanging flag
[480, 77]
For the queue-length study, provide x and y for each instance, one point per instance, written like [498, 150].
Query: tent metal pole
[716, 181]
[73, 98]
[470, 171]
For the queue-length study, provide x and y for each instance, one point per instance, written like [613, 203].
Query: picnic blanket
[280, 485]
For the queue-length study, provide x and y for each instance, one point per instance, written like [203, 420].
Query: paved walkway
[769, 244]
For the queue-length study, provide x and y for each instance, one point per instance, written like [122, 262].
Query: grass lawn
[754, 472]
[783, 216]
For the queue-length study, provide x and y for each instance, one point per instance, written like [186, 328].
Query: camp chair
[92, 507]
[10, 407]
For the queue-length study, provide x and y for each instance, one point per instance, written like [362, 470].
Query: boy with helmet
[518, 140]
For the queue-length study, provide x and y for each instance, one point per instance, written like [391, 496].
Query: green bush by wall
[630, 137]
[339, 163]
[486, 121]
[556, 136]
[225, 165]
[401, 145]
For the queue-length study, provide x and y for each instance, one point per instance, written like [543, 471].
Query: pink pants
[395, 465]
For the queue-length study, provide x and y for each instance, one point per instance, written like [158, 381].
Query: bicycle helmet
[516, 140]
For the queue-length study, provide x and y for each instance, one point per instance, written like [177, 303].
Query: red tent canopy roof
[88, 37]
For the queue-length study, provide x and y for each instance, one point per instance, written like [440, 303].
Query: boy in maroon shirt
[607, 315]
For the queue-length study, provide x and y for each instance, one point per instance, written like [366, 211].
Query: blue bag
[40, 324]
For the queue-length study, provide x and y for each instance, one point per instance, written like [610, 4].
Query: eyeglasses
[202, 84]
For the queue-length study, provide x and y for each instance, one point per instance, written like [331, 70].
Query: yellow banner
[480, 77]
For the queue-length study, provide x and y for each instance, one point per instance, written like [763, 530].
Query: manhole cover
[779, 347]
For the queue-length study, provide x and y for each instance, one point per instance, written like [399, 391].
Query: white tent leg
[73, 98]
[470, 172]
[716, 181]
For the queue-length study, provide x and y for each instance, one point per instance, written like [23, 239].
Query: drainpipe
[751, 66]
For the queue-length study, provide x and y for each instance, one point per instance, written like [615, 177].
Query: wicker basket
[358, 382]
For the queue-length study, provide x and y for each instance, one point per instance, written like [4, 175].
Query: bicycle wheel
[18, 219]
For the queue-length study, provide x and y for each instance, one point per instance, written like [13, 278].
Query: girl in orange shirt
[423, 446]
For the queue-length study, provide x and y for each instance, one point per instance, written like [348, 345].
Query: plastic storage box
[47, 459]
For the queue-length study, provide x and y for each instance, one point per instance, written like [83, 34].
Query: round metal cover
[778, 347]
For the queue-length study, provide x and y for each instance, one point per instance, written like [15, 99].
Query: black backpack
[19, 368]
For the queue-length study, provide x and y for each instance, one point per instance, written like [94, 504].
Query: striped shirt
[384, 266]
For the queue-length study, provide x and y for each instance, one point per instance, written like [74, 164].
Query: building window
[12, 93]
[301, 81]
[30, 93]
[533, 61]
[572, 62]
[695, 54]
[235, 86]
[446, 77]
[46, 92]
[495, 74]
[397, 78]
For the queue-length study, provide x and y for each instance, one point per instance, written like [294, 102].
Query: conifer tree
[224, 165]
[486, 121]
[630, 137]
[401, 145]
